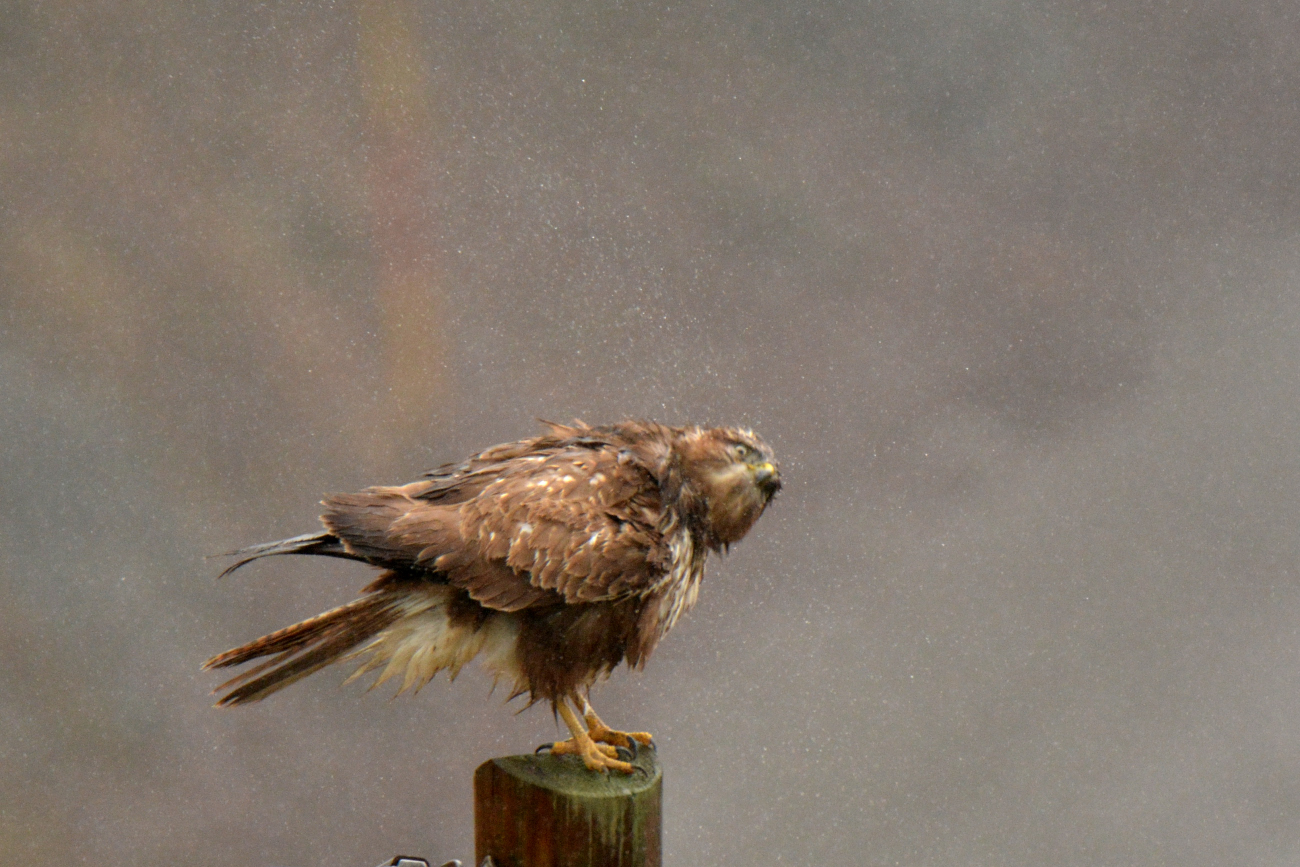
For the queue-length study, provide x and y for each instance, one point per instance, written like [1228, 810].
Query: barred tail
[299, 650]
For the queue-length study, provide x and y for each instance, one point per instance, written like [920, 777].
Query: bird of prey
[552, 559]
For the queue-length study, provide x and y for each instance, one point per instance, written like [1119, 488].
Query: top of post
[567, 775]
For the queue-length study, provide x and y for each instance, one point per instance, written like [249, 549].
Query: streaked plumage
[552, 560]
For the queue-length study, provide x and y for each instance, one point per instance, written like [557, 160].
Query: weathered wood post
[550, 811]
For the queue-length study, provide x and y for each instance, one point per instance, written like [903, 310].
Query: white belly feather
[424, 641]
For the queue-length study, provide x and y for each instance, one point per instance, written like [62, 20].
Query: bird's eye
[741, 451]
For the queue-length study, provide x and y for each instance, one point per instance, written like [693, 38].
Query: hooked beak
[767, 478]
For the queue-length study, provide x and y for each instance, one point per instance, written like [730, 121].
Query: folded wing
[568, 523]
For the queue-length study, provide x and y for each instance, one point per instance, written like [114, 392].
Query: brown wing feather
[560, 517]
[396, 526]
[365, 523]
[578, 521]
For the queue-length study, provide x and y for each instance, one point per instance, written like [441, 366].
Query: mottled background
[1011, 287]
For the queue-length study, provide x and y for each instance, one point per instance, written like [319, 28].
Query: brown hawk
[552, 559]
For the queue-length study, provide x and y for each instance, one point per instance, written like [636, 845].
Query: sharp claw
[624, 754]
[652, 746]
[544, 748]
[632, 747]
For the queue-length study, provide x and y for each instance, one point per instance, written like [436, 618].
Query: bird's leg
[597, 757]
[601, 733]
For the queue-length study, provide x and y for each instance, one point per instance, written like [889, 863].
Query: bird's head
[734, 474]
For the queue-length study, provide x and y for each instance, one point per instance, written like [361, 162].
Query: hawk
[552, 559]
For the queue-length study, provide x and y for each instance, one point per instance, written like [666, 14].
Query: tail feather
[305, 647]
[321, 544]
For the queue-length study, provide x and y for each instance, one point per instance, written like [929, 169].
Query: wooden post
[550, 811]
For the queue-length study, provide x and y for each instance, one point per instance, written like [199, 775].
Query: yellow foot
[627, 740]
[597, 757]
[602, 733]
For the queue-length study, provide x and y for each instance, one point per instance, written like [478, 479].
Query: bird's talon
[624, 754]
[544, 749]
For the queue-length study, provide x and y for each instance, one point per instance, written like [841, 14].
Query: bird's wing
[567, 522]
[395, 528]
[578, 521]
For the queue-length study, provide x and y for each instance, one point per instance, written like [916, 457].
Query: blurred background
[1010, 287]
